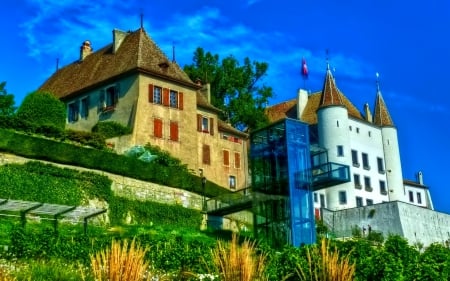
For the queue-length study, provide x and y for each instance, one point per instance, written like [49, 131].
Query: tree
[235, 89]
[6, 101]
[43, 109]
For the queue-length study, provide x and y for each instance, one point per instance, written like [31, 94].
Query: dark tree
[7, 107]
[235, 89]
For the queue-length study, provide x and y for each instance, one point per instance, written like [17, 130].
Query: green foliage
[43, 109]
[65, 153]
[432, 264]
[45, 270]
[152, 213]
[109, 129]
[35, 181]
[94, 140]
[235, 89]
[6, 101]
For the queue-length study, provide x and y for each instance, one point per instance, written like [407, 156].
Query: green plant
[43, 109]
[121, 262]
[109, 129]
[236, 262]
[325, 264]
[45, 270]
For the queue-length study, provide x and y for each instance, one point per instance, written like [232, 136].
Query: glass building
[281, 184]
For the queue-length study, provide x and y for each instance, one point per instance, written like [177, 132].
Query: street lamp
[203, 192]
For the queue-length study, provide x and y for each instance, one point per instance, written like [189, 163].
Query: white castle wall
[416, 224]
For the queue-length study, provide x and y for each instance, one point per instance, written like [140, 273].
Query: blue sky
[407, 42]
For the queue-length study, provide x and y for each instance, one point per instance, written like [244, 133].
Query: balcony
[329, 174]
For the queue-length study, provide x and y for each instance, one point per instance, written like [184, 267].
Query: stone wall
[416, 224]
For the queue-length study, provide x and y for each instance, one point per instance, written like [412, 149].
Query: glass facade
[281, 184]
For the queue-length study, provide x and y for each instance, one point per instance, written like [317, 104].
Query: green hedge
[66, 153]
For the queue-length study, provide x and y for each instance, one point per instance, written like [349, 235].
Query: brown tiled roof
[330, 93]
[225, 127]
[413, 183]
[288, 109]
[381, 114]
[137, 53]
[203, 102]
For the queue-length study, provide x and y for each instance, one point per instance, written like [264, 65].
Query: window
[205, 124]
[419, 198]
[340, 150]
[355, 158]
[342, 197]
[357, 130]
[173, 100]
[206, 154]
[383, 187]
[110, 98]
[157, 95]
[357, 181]
[370, 134]
[365, 160]
[158, 128]
[367, 185]
[72, 116]
[411, 197]
[380, 165]
[84, 112]
[237, 160]
[232, 181]
[226, 158]
[315, 197]
[359, 201]
[205, 127]
[337, 123]
[322, 200]
[369, 202]
[174, 131]
[350, 128]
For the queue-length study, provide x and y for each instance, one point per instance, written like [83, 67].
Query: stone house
[132, 82]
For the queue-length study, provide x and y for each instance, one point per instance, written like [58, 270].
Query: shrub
[326, 265]
[109, 129]
[236, 262]
[43, 109]
[121, 262]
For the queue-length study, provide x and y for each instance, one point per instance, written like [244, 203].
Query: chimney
[420, 177]
[206, 91]
[302, 100]
[118, 36]
[367, 113]
[85, 49]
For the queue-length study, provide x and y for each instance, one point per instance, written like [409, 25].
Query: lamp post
[203, 193]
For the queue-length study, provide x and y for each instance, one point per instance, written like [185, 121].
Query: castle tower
[393, 167]
[333, 132]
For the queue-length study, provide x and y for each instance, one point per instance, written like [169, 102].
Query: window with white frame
[173, 99]
[342, 197]
[359, 201]
[365, 161]
[232, 182]
[355, 160]
[380, 165]
[157, 95]
[357, 181]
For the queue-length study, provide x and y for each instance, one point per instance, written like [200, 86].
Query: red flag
[304, 69]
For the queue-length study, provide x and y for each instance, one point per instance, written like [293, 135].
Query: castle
[132, 82]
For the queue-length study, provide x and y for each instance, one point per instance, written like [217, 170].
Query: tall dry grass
[325, 264]
[5, 276]
[236, 262]
[122, 262]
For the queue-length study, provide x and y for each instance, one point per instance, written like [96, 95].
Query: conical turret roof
[381, 116]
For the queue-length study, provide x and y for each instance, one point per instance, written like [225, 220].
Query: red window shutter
[158, 128]
[211, 126]
[206, 155]
[199, 122]
[180, 100]
[226, 158]
[174, 131]
[237, 160]
[166, 96]
[150, 93]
